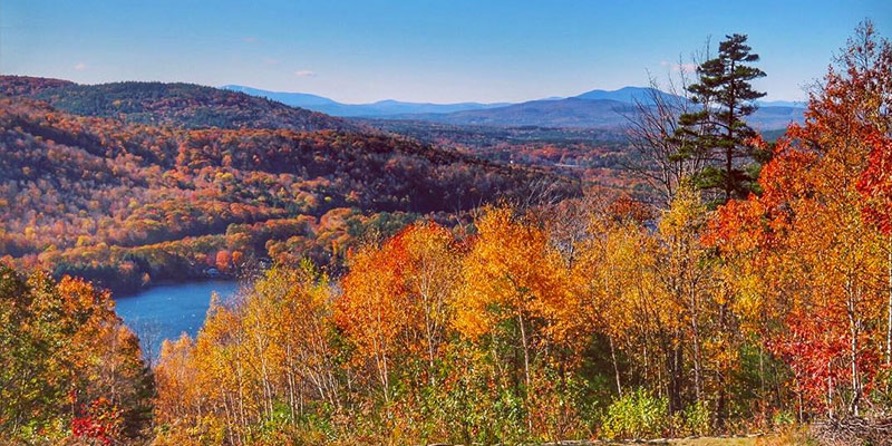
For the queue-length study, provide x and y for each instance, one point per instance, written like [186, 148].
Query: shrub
[637, 414]
[697, 419]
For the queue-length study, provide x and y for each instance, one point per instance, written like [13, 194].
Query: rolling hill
[628, 95]
[125, 202]
[178, 104]
[570, 112]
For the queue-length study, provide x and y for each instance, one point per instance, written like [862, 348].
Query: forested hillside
[175, 105]
[126, 203]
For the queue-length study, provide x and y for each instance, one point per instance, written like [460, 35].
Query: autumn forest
[410, 283]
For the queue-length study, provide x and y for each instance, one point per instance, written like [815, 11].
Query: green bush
[637, 414]
[783, 418]
[696, 419]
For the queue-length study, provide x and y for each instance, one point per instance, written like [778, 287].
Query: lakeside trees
[68, 365]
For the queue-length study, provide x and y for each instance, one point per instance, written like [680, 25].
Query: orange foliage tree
[396, 300]
[814, 263]
[268, 357]
[514, 296]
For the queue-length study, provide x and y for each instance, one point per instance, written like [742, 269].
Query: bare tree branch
[655, 155]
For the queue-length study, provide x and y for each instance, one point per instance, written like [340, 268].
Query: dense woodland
[127, 204]
[569, 316]
[597, 156]
[179, 105]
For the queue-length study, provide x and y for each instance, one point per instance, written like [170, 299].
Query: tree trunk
[698, 382]
[677, 364]
[853, 346]
[853, 353]
[721, 385]
[619, 386]
[762, 397]
[526, 368]
[889, 306]
[526, 352]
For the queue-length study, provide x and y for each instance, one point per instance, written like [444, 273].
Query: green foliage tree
[69, 369]
[717, 131]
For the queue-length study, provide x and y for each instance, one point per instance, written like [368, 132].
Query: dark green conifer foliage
[718, 130]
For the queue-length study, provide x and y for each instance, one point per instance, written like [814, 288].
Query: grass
[792, 437]
[711, 441]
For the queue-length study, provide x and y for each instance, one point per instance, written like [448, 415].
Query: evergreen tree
[718, 131]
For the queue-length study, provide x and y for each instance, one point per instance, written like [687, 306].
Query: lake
[166, 311]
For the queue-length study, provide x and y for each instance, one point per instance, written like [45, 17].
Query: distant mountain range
[794, 104]
[374, 110]
[600, 109]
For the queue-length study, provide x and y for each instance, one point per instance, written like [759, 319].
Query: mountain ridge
[173, 104]
[384, 107]
[596, 109]
[629, 95]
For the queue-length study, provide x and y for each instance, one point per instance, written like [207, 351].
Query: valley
[94, 188]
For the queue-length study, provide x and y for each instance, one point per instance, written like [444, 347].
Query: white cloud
[676, 67]
[305, 73]
[687, 67]
[80, 66]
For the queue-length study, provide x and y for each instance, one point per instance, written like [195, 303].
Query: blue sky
[418, 50]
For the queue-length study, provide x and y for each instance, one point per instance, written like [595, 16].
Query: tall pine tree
[718, 131]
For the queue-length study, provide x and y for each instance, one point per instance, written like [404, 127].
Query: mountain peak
[627, 95]
[293, 99]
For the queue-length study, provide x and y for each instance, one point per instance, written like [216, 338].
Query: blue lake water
[167, 311]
